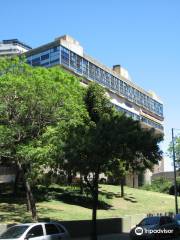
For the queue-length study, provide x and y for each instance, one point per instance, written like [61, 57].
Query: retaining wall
[83, 228]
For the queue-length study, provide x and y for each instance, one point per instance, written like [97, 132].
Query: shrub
[158, 185]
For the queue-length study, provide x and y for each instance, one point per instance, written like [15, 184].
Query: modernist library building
[124, 94]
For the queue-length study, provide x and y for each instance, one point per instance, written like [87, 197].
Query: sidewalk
[108, 237]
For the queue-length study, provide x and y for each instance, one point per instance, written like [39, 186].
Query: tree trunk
[27, 199]
[69, 178]
[15, 187]
[81, 185]
[122, 186]
[95, 205]
[31, 205]
[133, 179]
[31, 200]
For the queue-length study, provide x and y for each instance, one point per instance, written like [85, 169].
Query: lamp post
[174, 164]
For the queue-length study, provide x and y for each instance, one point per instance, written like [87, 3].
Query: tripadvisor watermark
[139, 231]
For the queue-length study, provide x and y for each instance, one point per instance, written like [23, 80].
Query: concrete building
[126, 96]
[12, 47]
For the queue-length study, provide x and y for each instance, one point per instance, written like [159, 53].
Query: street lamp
[174, 164]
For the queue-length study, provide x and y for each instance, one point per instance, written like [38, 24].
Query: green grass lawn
[61, 203]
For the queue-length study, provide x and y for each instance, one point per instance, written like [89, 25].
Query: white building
[12, 47]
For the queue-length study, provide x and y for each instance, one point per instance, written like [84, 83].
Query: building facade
[12, 47]
[124, 94]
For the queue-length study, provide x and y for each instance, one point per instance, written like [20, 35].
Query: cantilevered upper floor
[123, 92]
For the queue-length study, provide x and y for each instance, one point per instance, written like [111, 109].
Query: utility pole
[174, 163]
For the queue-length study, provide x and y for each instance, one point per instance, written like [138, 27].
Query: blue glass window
[79, 64]
[94, 72]
[65, 56]
[55, 61]
[44, 57]
[36, 61]
[85, 67]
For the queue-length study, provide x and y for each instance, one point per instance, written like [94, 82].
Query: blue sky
[143, 36]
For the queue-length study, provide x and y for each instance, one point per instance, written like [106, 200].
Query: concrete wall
[7, 174]
[129, 180]
[7, 170]
[167, 175]
[7, 178]
[83, 228]
[147, 177]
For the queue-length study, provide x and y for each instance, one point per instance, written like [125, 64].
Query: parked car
[156, 227]
[36, 231]
[177, 218]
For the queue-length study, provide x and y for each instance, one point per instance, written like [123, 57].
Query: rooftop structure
[126, 96]
[12, 47]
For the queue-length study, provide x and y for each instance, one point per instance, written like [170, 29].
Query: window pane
[60, 228]
[36, 231]
[51, 229]
[14, 232]
[45, 56]
[65, 56]
[150, 221]
[85, 67]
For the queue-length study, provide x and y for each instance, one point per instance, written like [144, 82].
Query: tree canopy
[47, 119]
[32, 101]
[176, 149]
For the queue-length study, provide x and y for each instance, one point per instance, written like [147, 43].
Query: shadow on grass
[69, 196]
[13, 206]
[47, 193]
[110, 195]
[130, 199]
[12, 211]
[12, 199]
[82, 201]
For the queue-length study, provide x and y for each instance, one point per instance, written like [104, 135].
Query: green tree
[92, 145]
[117, 173]
[145, 151]
[92, 142]
[176, 148]
[108, 136]
[31, 100]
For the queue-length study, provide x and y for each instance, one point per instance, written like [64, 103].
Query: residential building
[12, 47]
